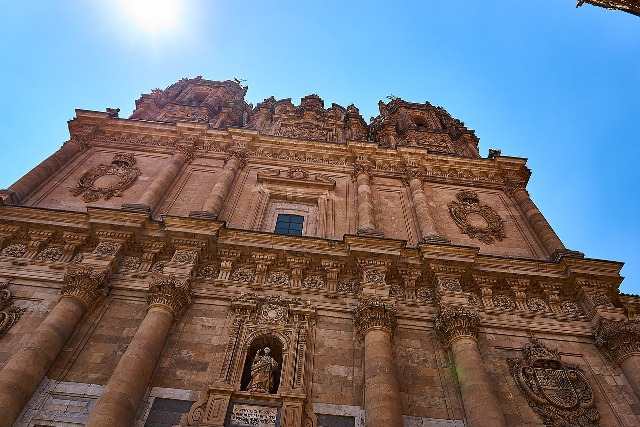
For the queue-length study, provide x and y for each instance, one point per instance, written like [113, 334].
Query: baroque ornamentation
[84, 283]
[52, 253]
[314, 281]
[374, 312]
[17, 250]
[455, 322]
[130, 263]
[348, 285]
[425, 295]
[208, 271]
[9, 313]
[476, 220]
[278, 278]
[107, 248]
[244, 274]
[169, 292]
[107, 181]
[184, 256]
[273, 313]
[560, 393]
[571, 308]
[537, 304]
[618, 340]
[503, 302]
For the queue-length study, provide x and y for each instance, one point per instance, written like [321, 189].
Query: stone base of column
[562, 253]
[136, 207]
[203, 215]
[435, 238]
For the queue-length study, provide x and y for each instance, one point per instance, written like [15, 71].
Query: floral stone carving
[560, 393]
[107, 181]
[374, 312]
[9, 313]
[476, 220]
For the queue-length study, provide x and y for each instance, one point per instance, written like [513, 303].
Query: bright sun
[153, 16]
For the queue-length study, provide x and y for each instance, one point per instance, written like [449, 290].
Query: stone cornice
[618, 340]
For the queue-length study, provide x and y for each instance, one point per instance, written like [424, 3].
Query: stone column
[426, 224]
[123, 393]
[457, 327]
[375, 320]
[620, 340]
[19, 378]
[161, 183]
[34, 178]
[215, 200]
[550, 240]
[366, 219]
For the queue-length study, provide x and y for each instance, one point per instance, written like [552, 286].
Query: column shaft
[541, 227]
[425, 222]
[381, 391]
[365, 204]
[631, 368]
[480, 404]
[24, 371]
[126, 387]
[32, 180]
[214, 202]
[161, 183]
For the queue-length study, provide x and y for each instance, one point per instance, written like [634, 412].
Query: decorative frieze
[170, 292]
[560, 393]
[374, 312]
[85, 283]
[455, 322]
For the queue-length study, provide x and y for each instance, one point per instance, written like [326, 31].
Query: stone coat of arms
[107, 181]
[560, 393]
[476, 220]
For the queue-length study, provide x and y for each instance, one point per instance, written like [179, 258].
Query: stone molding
[85, 283]
[169, 292]
[456, 322]
[618, 339]
[374, 313]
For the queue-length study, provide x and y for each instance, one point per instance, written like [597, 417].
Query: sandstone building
[206, 262]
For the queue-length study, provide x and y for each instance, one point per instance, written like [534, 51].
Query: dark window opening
[289, 224]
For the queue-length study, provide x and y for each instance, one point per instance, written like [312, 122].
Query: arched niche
[260, 342]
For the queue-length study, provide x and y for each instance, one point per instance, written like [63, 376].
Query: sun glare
[154, 16]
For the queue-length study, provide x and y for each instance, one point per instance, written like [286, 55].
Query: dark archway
[276, 352]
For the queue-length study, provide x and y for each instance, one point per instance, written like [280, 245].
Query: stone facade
[141, 279]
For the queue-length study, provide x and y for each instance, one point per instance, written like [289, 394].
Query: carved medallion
[476, 220]
[560, 393]
[273, 313]
[107, 181]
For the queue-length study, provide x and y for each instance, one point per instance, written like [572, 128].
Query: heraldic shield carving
[476, 220]
[107, 181]
[560, 393]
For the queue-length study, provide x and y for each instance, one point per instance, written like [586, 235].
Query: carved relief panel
[107, 181]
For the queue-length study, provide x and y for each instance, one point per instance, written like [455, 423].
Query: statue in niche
[262, 370]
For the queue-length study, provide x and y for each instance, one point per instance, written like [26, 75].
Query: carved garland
[560, 393]
[122, 169]
[468, 204]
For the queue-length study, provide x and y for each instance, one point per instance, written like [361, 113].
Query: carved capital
[86, 284]
[455, 322]
[169, 292]
[374, 313]
[618, 340]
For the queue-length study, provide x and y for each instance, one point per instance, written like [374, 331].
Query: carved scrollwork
[52, 253]
[314, 281]
[244, 274]
[278, 278]
[16, 250]
[560, 393]
[476, 220]
[107, 181]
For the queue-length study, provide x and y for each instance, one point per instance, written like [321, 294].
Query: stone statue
[262, 370]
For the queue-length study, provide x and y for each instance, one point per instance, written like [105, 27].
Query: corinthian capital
[454, 322]
[169, 292]
[374, 313]
[618, 340]
[86, 284]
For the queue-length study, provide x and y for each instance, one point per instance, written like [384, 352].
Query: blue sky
[537, 79]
